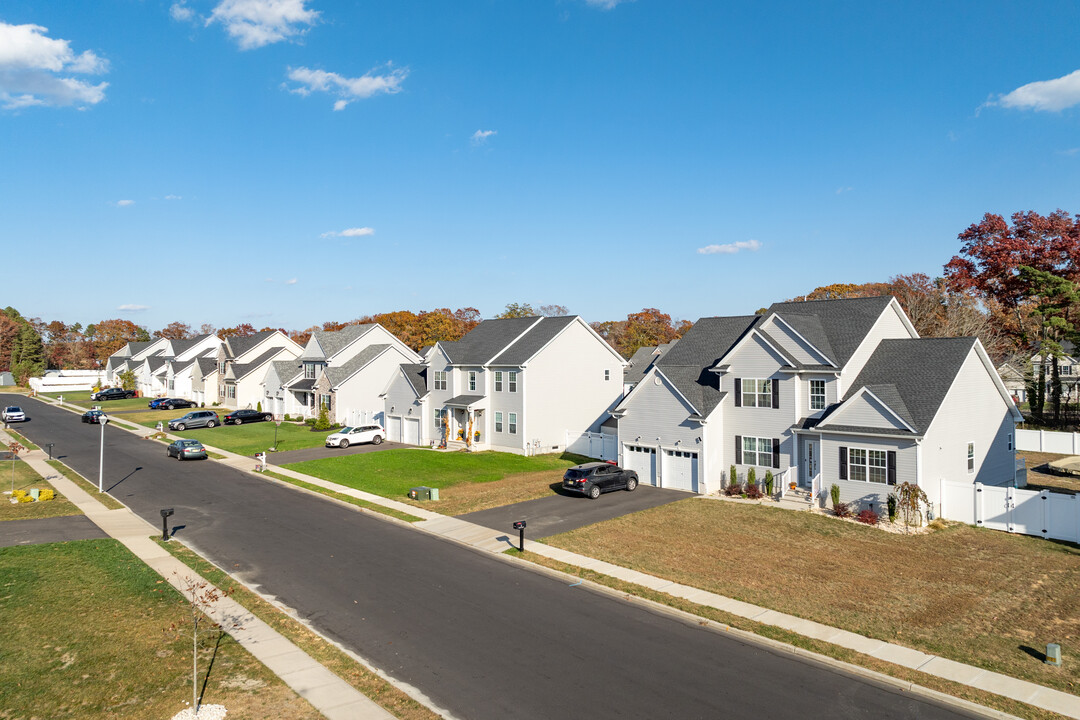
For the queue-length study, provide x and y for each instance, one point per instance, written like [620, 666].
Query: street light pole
[103, 420]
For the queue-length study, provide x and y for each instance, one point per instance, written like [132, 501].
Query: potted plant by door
[791, 485]
[476, 436]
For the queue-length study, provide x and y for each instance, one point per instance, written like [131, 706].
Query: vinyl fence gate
[1054, 516]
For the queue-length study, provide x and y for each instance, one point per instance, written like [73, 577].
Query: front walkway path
[329, 694]
[497, 542]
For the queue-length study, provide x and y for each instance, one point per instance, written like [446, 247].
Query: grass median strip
[102, 497]
[344, 498]
[931, 682]
[90, 632]
[22, 439]
[26, 479]
[979, 597]
[338, 662]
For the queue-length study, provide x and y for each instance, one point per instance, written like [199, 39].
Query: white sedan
[14, 413]
[354, 435]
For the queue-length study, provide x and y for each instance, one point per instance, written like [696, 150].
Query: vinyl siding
[973, 411]
[865, 411]
[566, 389]
[507, 402]
[361, 392]
[831, 397]
[755, 360]
[792, 344]
[658, 416]
[401, 397]
[863, 493]
[888, 326]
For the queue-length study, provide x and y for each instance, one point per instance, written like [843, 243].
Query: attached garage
[412, 431]
[680, 470]
[641, 460]
[393, 429]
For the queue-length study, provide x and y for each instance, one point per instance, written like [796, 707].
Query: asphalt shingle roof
[287, 370]
[244, 369]
[237, 346]
[417, 377]
[486, 340]
[913, 375]
[338, 374]
[206, 365]
[538, 336]
[155, 363]
[464, 400]
[687, 364]
[334, 342]
[642, 360]
[134, 348]
[835, 327]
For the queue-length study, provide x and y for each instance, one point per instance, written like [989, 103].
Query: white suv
[13, 413]
[353, 435]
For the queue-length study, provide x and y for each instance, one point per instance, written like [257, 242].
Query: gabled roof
[687, 364]
[335, 341]
[913, 375]
[287, 370]
[417, 377]
[241, 370]
[155, 363]
[487, 340]
[236, 346]
[835, 327]
[182, 346]
[206, 366]
[179, 367]
[539, 335]
[134, 348]
[643, 359]
[340, 373]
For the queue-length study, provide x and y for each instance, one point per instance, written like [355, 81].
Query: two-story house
[759, 392]
[242, 363]
[515, 385]
[344, 371]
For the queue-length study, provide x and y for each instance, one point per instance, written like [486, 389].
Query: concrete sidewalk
[496, 541]
[329, 694]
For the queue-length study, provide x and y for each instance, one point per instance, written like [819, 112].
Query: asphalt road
[563, 511]
[481, 637]
[48, 530]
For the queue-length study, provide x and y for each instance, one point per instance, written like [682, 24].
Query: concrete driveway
[562, 512]
[318, 453]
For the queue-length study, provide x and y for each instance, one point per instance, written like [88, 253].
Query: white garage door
[681, 470]
[412, 431]
[641, 460]
[393, 429]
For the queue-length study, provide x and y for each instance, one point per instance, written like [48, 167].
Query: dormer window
[309, 370]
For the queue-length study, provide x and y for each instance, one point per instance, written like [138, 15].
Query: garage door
[641, 460]
[412, 431]
[681, 470]
[393, 429]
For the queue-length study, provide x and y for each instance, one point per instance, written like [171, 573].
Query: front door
[811, 465]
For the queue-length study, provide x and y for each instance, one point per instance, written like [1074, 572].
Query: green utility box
[434, 493]
[420, 493]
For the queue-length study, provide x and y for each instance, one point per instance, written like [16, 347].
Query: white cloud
[255, 23]
[181, 12]
[174, 197]
[730, 248]
[842, 190]
[1044, 95]
[347, 89]
[124, 203]
[605, 4]
[480, 136]
[291, 281]
[349, 232]
[133, 308]
[31, 67]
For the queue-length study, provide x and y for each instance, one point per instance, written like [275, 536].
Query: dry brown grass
[469, 497]
[976, 596]
[26, 479]
[1039, 476]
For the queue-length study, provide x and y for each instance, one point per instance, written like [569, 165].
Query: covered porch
[464, 421]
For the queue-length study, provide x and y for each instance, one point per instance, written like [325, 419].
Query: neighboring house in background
[242, 363]
[131, 356]
[1013, 376]
[338, 370]
[154, 363]
[783, 391]
[521, 383]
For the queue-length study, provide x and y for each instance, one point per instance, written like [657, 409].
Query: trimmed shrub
[842, 509]
[323, 421]
[834, 493]
[751, 477]
[891, 501]
[310, 422]
[258, 406]
[753, 491]
[768, 482]
[732, 476]
[868, 517]
[733, 489]
[46, 494]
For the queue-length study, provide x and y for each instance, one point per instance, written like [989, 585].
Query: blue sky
[287, 162]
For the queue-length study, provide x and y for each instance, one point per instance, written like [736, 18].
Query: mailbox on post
[165, 513]
[520, 527]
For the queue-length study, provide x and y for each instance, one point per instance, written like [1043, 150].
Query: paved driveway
[562, 512]
[318, 453]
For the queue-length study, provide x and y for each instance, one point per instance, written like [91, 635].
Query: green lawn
[82, 399]
[26, 479]
[391, 473]
[88, 634]
[255, 437]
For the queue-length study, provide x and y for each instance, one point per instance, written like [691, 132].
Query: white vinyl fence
[1048, 441]
[1054, 516]
[595, 445]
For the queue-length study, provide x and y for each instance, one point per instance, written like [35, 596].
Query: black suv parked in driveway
[594, 478]
[112, 394]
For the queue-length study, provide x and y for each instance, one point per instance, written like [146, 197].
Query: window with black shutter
[776, 393]
[738, 448]
[776, 452]
[890, 466]
[843, 463]
[738, 392]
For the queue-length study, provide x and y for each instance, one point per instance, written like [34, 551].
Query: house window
[309, 371]
[440, 379]
[439, 417]
[498, 381]
[512, 381]
[221, 390]
[607, 375]
[172, 384]
[513, 422]
[817, 394]
[971, 457]
[867, 465]
[757, 451]
[325, 401]
[756, 393]
[498, 421]
[472, 380]
[231, 390]
[1010, 442]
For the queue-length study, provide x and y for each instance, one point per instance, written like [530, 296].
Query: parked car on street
[239, 417]
[13, 413]
[197, 419]
[187, 449]
[112, 394]
[174, 403]
[591, 479]
[347, 436]
[91, 416]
